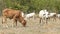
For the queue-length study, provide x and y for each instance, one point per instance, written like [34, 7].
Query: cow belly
[10, 17]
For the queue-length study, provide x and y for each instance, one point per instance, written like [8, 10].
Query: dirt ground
[33, 27]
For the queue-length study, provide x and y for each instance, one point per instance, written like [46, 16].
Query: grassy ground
[33, 27]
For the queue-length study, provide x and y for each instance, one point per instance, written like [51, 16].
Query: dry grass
[33, 27]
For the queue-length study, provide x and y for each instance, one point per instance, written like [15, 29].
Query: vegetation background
[31, 5]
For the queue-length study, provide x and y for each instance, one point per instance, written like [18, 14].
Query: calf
[16, 15]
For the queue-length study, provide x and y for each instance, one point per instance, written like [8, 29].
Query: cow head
[24, 23]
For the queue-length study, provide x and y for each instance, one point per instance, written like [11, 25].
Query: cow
[16, 15]
[53, 16]
[43, 15]
[58, 16]
[30, 15]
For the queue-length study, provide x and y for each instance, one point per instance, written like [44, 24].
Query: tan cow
[13, 14]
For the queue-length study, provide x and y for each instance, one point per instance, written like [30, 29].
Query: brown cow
[13, 14]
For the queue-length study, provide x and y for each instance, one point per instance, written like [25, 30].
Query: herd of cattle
[18, 15]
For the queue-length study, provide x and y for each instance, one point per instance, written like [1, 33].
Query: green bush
[30, 5]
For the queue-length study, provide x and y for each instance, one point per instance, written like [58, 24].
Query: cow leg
[4, 19]
[40, 20]
[46, 20]
[54, 18]
[15, 20]
[33, 17]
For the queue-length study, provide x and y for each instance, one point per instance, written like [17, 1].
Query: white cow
[58, 16]
[53, 16]
[30, 15]
[43, 14]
